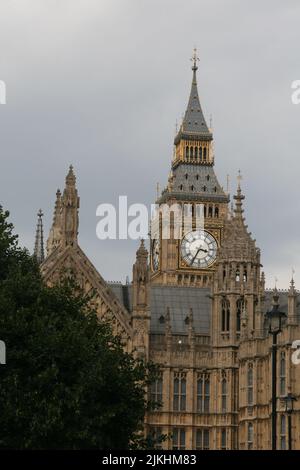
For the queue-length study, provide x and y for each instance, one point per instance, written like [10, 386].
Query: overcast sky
[101, 83]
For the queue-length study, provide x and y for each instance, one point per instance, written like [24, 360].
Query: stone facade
[200, 315]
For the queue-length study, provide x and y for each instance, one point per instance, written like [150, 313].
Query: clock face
[155, 254]
[199, 249]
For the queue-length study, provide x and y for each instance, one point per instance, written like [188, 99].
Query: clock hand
[199, 249]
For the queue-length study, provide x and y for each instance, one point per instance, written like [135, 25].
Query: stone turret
[64, 229]
[237, 306]
[141, 302]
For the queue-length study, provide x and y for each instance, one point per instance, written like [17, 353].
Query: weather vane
[195, 59]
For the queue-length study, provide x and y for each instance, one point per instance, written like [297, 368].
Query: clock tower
[188, 256]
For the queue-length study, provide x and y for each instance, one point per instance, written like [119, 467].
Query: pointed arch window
[282, 374]
[196, 152]
[237, 275]
[191, 152]
[202, 439]
[250, 385]
[179, 392]
[216, 212]
[187, 153]
[204, 154]
[210, 211]
[203, 394]
[200, 153]
[156, 390]
[178, 438]
[239, 309]
[225, 316]
[224, 395]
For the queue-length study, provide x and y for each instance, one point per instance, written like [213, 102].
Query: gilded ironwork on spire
[39, 239]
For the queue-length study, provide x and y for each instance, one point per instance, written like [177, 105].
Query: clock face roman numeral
[198, 249]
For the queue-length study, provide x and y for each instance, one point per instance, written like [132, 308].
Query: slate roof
[283, 301]
[179, 300]
[199, 180]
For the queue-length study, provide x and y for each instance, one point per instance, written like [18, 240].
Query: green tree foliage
[67, 384]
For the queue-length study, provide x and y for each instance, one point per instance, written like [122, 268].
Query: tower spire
[194, 124]
[39, 239]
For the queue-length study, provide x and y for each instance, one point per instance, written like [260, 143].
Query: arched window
[245, 274]
[216, 211]
[207, 177]
[204, 188]
[224, 395]
[179, 393]
[225, 316]
[181, 187]
[203, 394]
[192, 152]
[187, 152]
[250, 385]
[192, 187]
[196, 152]
[282, 374]
[237, 275]
[204, 154]
[205, 211]
[156, 390]
[210, 211]
[200, 153]
[250, 436]
[239, 309]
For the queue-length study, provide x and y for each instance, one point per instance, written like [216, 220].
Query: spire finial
[238, 197]
[227, 184]
[39, 239]
[195, 59]
[239, 179]
[70, 178]
[275, 300]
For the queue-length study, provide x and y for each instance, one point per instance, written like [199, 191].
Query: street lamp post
[274, 318]
[289, 408]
